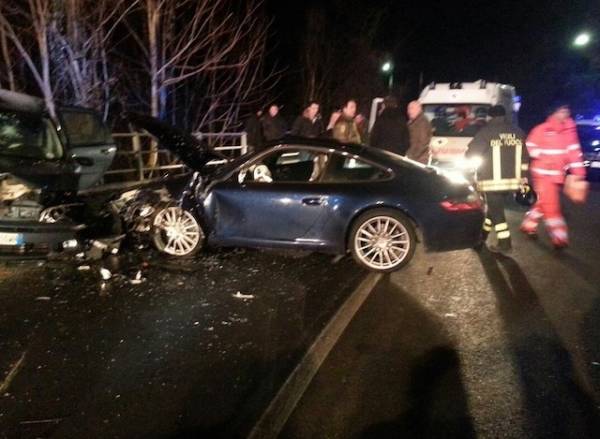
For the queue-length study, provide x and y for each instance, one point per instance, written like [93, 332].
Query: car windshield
[28, 135]
[456, 120]
[589, 137]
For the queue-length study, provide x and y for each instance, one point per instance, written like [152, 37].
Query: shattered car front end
[45, 161]
[27, 227]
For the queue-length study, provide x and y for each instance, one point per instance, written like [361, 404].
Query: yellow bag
[576, 189]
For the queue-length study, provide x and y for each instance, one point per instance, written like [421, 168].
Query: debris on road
[429, 271]
[106, 274]
[43, 298]
[450, 315]
[138, 279]
[83, 268]
[42, 421]
[241, 296]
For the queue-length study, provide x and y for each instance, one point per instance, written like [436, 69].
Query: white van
[458, 110]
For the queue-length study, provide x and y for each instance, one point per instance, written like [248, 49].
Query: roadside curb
[273, 419]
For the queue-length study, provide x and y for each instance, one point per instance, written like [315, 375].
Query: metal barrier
[138, 159]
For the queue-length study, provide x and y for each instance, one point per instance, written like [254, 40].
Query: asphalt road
[197, 349]
[457, 345]
[467, 344]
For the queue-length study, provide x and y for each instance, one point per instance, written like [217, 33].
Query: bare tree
[25, 24]
[80, 40]
[318, 59]
[7, 61]
[64, 44]
[217, 46]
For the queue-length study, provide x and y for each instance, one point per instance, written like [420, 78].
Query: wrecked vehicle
[315, 195]
[44, 163]
[49, 171]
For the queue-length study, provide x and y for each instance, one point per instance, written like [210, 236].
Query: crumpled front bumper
[35, 238]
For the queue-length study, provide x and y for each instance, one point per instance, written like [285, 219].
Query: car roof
[324, 142]
[21, 102]
[373, 154]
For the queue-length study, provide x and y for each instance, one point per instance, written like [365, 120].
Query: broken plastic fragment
[241, 296]
[83, 267]
[43, 298]
[138, 279]
[106, 275]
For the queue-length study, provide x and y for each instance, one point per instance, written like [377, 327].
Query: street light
[582, 40]
[388, 68]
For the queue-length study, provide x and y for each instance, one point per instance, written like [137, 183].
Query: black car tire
[170, 242]
[382, 240]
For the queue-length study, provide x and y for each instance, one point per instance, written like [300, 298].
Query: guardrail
[138, 159]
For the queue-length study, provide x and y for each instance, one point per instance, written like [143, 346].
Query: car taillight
[461, 206]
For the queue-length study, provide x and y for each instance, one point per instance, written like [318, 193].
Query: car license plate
[595, 165]
[11, 239]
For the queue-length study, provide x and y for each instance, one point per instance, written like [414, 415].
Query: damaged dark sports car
[316, 195]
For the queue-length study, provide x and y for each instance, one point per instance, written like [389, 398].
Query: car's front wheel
[177, 232]
[382, 240]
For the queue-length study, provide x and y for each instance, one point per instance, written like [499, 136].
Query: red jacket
[554, 149]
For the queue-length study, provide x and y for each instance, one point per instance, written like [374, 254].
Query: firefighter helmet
[526, 196]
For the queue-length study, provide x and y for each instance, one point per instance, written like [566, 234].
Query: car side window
[28, 136]
[84, 128]
[346, 168]
[287, 165]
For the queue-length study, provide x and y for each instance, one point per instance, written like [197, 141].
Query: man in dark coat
[389, 131]
[420, 131]
[309, 124]
[254, 134]
[274, 127]
[500, 147]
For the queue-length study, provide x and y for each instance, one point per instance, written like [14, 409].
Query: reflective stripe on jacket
[499, 144]
[554, 149]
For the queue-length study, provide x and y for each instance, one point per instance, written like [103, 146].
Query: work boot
[501, 247]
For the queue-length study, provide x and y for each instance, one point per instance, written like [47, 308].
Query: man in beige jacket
[419, 130]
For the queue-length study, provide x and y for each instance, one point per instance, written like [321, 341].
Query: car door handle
[313, 201]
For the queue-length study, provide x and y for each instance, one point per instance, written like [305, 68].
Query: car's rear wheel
[382, 240]
[177, 232]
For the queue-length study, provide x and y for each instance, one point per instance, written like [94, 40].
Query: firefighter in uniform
[554, 150]
[500, 146]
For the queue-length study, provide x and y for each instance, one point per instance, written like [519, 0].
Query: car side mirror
[84, 161]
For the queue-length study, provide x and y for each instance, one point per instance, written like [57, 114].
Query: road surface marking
[12, 374]
[283, 404]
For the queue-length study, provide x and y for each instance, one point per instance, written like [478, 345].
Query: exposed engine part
[137, 208]
[56, 214]
[12, 189]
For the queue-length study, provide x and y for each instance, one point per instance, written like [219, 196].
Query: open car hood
[186, 147]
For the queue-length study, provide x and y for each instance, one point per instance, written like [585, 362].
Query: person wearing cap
[555, 151]
[499, 148]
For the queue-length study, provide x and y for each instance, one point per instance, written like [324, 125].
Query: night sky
[525, 43]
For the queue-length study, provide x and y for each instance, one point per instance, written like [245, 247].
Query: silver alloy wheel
[382, 242]
[177, 231]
